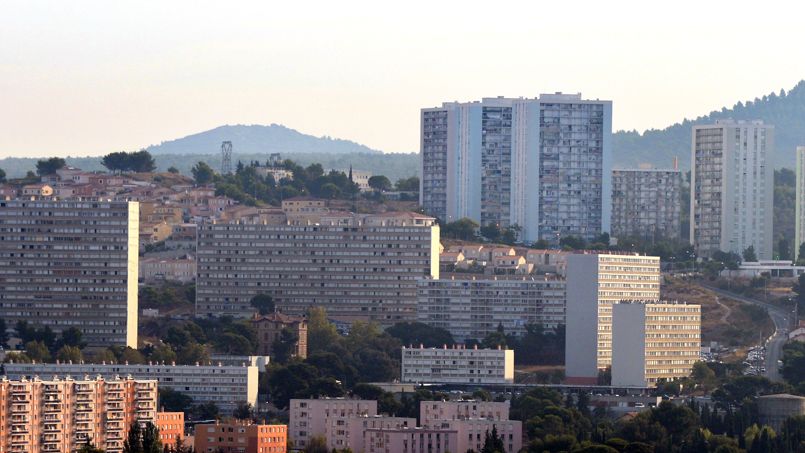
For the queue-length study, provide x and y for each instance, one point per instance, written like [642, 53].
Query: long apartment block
[543, 164]
[358, 267]
[226, 386]
[472, 309]
[71, 264]
[63, 414]
[457, 365]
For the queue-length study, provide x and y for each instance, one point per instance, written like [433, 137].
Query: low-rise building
[226, 386]
[352, 434]
[269, 330]
[654, 341]
[171, 428]
[240, 437]
[457, 365]
[411, 440]
[318, 417]
[37, 190]
[63, 414]
[472, 309]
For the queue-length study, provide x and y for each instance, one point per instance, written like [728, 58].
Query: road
[774, 344]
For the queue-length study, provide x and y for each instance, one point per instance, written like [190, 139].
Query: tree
[173, 170]
[89, 448]
[141, 162]
[801, 255]
[134, 441]
[2, 176]
[321, 333]
[37, 351]
[192, 353]
[264, 303]
[379, 183]
[493, 443]
[69, 354]
[491, 232]
[416, 333]
[4, 336]
[284, 348]
[49, 166]
[749, 254]
[205, 411]
[151, 442]
[202, 173]
[73, 336]
[243, 411]
[116, 162]
[463, 229]
[174, 401]
[316, 444]
[784, 250]
[407, 184]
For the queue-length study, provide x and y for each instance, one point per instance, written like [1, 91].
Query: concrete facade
[319, 417]
[71, 264]
[646, 203]
[171, 428]
[269, 329]
[63, 414]
[225, 386]
[358, 267]
[799, 206]
[472, 309]
[775, 409]
[653, 342]
[240, 437]
[543, 164]
[595, 282]
[457, 365]
[732, 188]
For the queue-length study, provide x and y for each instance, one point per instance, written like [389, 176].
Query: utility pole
[226, 157]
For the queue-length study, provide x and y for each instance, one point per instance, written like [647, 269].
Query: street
[774, 344]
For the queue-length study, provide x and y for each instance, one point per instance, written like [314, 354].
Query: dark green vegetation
[784, 206]
[138, 161]
[784, 110]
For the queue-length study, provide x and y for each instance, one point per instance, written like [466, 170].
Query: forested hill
[258, 139]
[786, 111]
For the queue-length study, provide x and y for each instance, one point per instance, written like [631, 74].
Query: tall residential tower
[732, 188]
[799, 217]
[543, 164]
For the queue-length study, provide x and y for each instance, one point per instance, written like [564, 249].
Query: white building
[594, 284]
[457, 365]
[543, 164]
[799, 215]
[472, 309]
[653, 342]
[226, 386]
[319, 417]
[432, 411]
[71, 264]
[732, 188]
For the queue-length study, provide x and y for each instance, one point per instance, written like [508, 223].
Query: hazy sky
[90, 77]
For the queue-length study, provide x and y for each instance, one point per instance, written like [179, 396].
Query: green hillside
[786, 111]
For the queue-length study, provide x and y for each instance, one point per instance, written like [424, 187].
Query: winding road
[774, 344]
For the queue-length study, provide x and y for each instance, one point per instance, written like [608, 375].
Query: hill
[786, 111]
[258, 139]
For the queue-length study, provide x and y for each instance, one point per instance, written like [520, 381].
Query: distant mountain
[786, 111]
[258, 139]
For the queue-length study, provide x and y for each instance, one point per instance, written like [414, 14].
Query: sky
[90, 77]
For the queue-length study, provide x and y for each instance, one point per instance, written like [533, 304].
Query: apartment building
[431, 412]
[358, 267]
[732, 188]
[181, 270]
[543, 164]
[799, 206]
[226, 386]
[411, 440]
[63, 414]
[320, 417]
[240, 437]
[596, 282]
[472, 309]
[457, 365]
[654, 341]
[171, 428]
[269, 329]
[646, 203]
[71, 264]
[353, 433]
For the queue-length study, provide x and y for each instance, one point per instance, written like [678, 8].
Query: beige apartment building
[654, 341]
[596, 282]
[269, 329]
[457, 365]
[71, 264]
[319, 417]
[63, 414]
[357, 266]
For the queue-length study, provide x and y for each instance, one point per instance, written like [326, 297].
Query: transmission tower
[226, 157]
